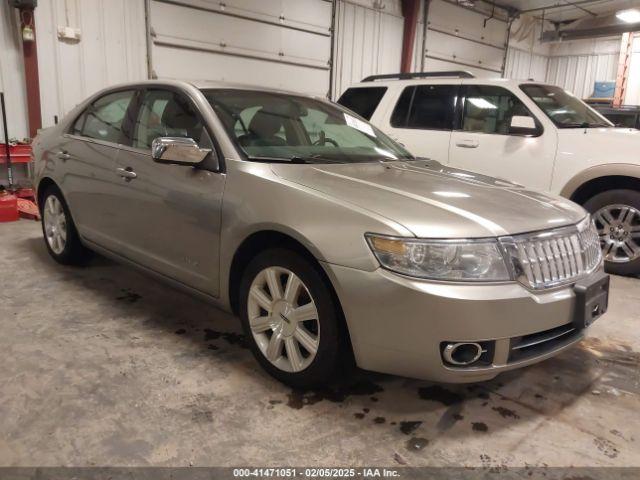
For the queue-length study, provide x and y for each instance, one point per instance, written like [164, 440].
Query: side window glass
[490, 109]
[103, 119]
[363, 100]
[401, 110]
[78, 124]
[433, 107]
[164, 113]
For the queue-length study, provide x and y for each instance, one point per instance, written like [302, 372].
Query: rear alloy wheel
[616, 214]
[55, 224]
[292, 320]
[60, 234]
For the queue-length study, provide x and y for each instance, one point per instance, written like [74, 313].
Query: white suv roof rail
[409, 75]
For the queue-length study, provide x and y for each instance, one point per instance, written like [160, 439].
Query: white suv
[538, 135]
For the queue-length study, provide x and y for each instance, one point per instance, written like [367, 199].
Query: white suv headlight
[454, 260]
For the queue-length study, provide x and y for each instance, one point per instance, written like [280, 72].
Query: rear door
[88, 156]
[422, 119]
[170, 214]
[483, 141]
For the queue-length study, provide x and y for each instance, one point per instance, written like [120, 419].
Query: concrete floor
[102, 366]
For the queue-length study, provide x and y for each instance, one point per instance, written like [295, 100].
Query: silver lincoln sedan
[330, 241]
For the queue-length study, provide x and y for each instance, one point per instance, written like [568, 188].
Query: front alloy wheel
[616, 214]
[283, 319]
[292, 319]
[619, 230]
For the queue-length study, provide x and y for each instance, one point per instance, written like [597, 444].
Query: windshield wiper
[296, 159]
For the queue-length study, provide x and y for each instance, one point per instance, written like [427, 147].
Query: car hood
[434, 201]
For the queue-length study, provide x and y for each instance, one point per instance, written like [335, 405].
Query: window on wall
[426, 107]
[164, 113]
[363, 101]
[489, 109]
[103, 120]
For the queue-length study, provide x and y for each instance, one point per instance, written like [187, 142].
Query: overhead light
[629, 16]
[467, 3]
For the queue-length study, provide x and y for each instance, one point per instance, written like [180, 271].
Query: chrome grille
[554, 257]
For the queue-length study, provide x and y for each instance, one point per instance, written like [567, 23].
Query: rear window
[363, 101]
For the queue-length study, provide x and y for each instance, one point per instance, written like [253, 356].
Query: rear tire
[59, 231]
[295, 332]
[617, 217]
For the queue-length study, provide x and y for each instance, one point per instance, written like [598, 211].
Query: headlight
[441, 259]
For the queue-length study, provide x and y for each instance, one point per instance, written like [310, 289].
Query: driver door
[484, 142]
[170, 214]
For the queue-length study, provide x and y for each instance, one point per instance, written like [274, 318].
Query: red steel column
[410, 10]
[32, 79]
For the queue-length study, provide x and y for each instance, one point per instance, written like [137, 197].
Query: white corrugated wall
[111, 50]
[576, 65]
[12, 74]
[368, 40]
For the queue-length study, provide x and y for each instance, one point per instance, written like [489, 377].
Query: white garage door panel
[453, 19]
[458, 38]
[446, 47]
[435, 65]
[275, 43]
[314, 15]
[229, 34]
[368, 41]
[197, 65]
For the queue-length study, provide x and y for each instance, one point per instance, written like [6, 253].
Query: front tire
[617, 217]
[59, 231]
[291, 319]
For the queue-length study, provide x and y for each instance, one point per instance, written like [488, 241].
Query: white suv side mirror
[523, 125]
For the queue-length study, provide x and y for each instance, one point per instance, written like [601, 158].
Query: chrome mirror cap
[178, 150]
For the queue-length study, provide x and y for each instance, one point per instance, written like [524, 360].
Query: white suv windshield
[565, 110]
[278, 127]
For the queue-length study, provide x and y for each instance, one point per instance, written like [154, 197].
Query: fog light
[463, 353]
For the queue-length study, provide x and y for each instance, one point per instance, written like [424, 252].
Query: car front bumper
[399, 325]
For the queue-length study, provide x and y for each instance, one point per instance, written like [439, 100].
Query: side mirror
[178, 151]
[523, 125]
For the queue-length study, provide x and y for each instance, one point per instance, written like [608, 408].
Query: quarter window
[489, 109]
[103, 120]
[363, 100]
[164, 113]
[426, 107]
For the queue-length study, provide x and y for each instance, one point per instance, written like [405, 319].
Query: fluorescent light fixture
[629, 16]
[482, 103]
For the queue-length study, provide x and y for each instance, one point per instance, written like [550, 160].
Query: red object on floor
[8, 207]
[19, 153]
[28, 209]
[26, 193]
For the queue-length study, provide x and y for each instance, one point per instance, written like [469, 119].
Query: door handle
[467, 143]
[127, 173]
[63, 155]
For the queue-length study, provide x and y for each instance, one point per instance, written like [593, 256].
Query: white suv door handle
[467, 143]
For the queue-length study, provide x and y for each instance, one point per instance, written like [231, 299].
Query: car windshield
[288, 128]
[565, 110]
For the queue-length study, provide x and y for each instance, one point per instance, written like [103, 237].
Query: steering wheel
[323, 140]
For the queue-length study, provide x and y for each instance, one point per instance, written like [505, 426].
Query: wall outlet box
[69, 33]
